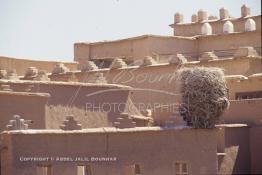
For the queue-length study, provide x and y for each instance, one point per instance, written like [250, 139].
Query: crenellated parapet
[203, 24]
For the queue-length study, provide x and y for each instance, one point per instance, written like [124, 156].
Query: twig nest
[204, 96]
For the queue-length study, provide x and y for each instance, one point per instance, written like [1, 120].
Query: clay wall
[129, 146]
[134, 48]
[30, 106]
[246, 111]
[21, 65]
[226, 44]
[255, 149]
[237, 151]
[93, 105]
[161, 47]
[193, 29]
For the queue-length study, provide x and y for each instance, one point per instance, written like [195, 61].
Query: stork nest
[204, 96]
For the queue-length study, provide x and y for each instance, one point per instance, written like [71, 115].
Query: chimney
[245, 11]
[202, 15]
[179, 18]
[223, 13]
[194, 18]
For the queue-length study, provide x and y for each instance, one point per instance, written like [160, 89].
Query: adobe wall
[224, 45]
[156, 85]
[128, 48]
[229, 42]
[246, 84]
[193, 29]
[246, 111]
[237, 151]
[129, 146]
[76, 99]
[21, 65]
[255, 149]
[134, 48]
[30, 106]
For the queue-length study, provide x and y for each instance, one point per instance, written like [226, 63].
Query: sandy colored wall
[192, 29]
[251, 84]
[108, 102]
[255, 149]
[244, 111]
[161, 47]
[237, 151]
[129, 146]
[135, 48]
[129, 48]
[28, 106]
[229, 41]
[21, 65]
[155, 85]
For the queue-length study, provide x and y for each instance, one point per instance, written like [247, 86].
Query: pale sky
[47, 29]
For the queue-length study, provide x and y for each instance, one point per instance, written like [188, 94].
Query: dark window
[248, 95]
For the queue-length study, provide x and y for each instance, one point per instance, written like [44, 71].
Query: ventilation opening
[44, 170]
[181, 168]
[136, 169]
[84, 170]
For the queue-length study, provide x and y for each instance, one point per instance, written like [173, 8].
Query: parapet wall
[29, 105]
[128, 146]
[194, 29]
[93, 105]
[21, 65]
[256, 151]
[162, 47]
[247, 111]
[133, 48]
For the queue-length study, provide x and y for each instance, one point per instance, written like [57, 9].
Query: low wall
[93, 105]
[237, 151]
[30, 106]
[21, 65]
[255, 148]
[128, 146]
[193, 29]
[246, 111]
[248, 84]
[135, 48]
[225, 42]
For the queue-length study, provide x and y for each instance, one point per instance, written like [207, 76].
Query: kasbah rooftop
[185, 104]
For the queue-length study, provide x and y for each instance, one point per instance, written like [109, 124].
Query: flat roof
[213, 21]
[28, 94]
[62, 83]
[117, 130]
[136, 38]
